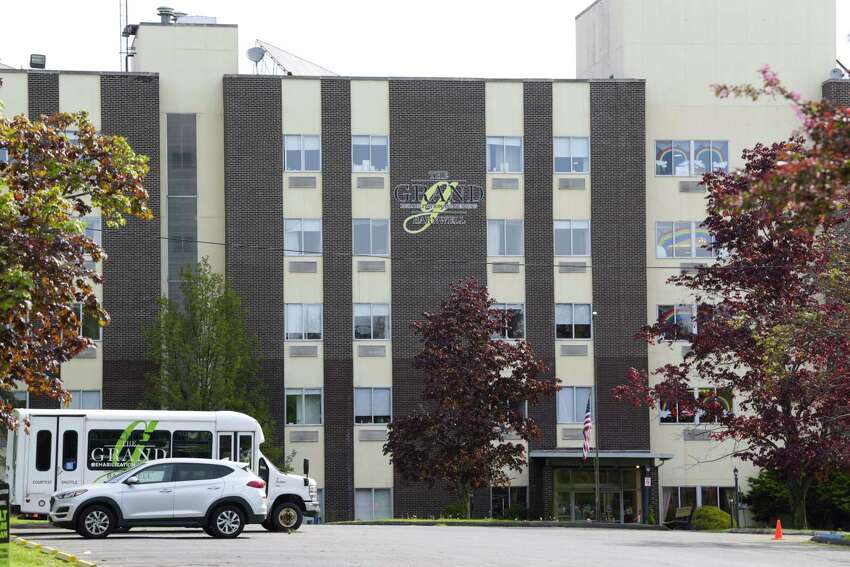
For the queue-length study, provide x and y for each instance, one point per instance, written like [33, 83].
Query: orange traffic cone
[778, 533]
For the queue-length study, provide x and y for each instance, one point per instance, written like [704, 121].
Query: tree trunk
[799, 490]
[464, 492]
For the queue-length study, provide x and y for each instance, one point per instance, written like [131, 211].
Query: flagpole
[596, 423]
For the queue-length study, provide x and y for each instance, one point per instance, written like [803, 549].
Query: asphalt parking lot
[395, 546]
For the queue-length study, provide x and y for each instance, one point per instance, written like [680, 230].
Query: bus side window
[43, 450]
[225, 447]
[69, 451]
[246, 449]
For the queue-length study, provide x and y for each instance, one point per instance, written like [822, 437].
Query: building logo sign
[436, 200]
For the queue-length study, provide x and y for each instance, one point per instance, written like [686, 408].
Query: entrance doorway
[575, 495]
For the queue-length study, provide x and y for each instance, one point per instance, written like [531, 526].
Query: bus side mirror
[306, 472]
[132, 480]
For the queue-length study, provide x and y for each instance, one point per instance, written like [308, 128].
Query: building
[578, 196]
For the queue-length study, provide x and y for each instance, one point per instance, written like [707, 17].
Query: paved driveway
[396, 546]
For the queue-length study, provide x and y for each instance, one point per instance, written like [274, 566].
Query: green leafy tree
[47, 183]
[205, 358]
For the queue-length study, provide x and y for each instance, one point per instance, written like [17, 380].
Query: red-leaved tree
[773, 316]
[477, 388]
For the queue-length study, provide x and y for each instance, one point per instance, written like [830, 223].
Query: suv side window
[154, 474]
[186, 472]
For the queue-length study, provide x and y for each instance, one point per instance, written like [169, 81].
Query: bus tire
[96, 522]
[286, 516]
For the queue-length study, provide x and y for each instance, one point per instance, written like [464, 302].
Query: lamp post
[737, 519]
[595, 422]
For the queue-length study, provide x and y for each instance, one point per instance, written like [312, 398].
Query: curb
[507, 524]
[61, 556]
[831, 538]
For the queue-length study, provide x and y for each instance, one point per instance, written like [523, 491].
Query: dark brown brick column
[338, 307]
[618, 209]
[836, 91]
[131, 273]
[43, 93]
[434, 126]
[253, 198]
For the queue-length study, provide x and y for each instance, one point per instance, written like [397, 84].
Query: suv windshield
[127, 473]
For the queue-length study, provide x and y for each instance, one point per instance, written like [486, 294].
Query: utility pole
[595, 423]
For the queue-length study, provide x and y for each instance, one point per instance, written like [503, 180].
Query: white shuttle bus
[66, 448]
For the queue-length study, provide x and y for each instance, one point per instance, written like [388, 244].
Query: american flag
[585, 448]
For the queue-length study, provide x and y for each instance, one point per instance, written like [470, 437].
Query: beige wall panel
[304, 372]
[80, 92]
[371, 287]
[373, 371]
[372, 468]
[571, 109]
[573, 288]
[370, 203]
[571, 203]
[15, 94]
[503, 108]
[506, 287]
[370, 108]
[315, 451]
[302, 106]
[303, 287]
[302, 203]
[505, 203]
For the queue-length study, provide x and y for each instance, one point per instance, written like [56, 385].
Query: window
[192, 444]
[302, 153]
[4, 155]
[520, 407]
[722, 397]
[187, 472]
[677, 497]
[303, 321]
[371, 321]
[372, 503]
[302, 237]
[369, 153]
[672, 411]
[43, 450]
[102, 443]
[677, 321]
[225, 446]
[371, 237]
[303, 406]
[155, 474]
[687, 158]
[573, 320]
[572, 238]
[85, 399]
[504, 154]
[20, 400]
[685, 239]
[372, 405]
[572, 403]
[509, 501]
[572, 155]
[515, 320]
[246, 448]
[93, 229]
[505, 238]
[89, 326]
[69, 450]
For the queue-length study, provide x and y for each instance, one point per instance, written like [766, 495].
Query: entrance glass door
[610, 507]
[584, 506]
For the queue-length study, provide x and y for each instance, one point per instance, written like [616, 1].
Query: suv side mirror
[132, 480]
[306, 472]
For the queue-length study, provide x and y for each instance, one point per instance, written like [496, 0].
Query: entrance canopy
[606, 458]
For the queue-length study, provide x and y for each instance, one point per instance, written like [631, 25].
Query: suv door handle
[212, 488]
[166, 490]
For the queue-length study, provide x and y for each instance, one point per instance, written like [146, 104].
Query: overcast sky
[530, 38]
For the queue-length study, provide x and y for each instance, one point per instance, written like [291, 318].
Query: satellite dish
[256, 54]
[836, 73]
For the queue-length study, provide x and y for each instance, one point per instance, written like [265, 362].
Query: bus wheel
[286, 516]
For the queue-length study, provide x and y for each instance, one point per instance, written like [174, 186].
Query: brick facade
[435, 125]
[837, 91]
[338, 306]
[131, 273]
[618, 247]
[253, 198]
[42, 93]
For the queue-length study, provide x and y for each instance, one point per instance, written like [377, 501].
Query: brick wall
[338, 308]
[618, 209]
[131, 273]
[43, 93]
[434, 125]
[837, 91]
[253, 197]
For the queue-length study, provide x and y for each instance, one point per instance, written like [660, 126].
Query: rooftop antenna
[123, 38]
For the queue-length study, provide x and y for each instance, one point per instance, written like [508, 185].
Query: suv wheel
[227, 521]
[286, 516]
[96, 522]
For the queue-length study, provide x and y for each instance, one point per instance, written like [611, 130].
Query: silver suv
[219, 496]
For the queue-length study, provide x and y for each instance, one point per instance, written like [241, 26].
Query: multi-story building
[574, 200]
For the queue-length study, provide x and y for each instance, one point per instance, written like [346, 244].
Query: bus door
[237, 446]
[70, 455]
[41, 464]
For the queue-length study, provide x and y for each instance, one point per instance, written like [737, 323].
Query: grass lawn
[21, 556]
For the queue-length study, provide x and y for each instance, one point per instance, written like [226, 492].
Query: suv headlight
[71, 494]
[312, 491]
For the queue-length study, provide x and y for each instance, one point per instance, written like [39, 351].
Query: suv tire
[226, 521]
[285, 516]
[96, 522]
